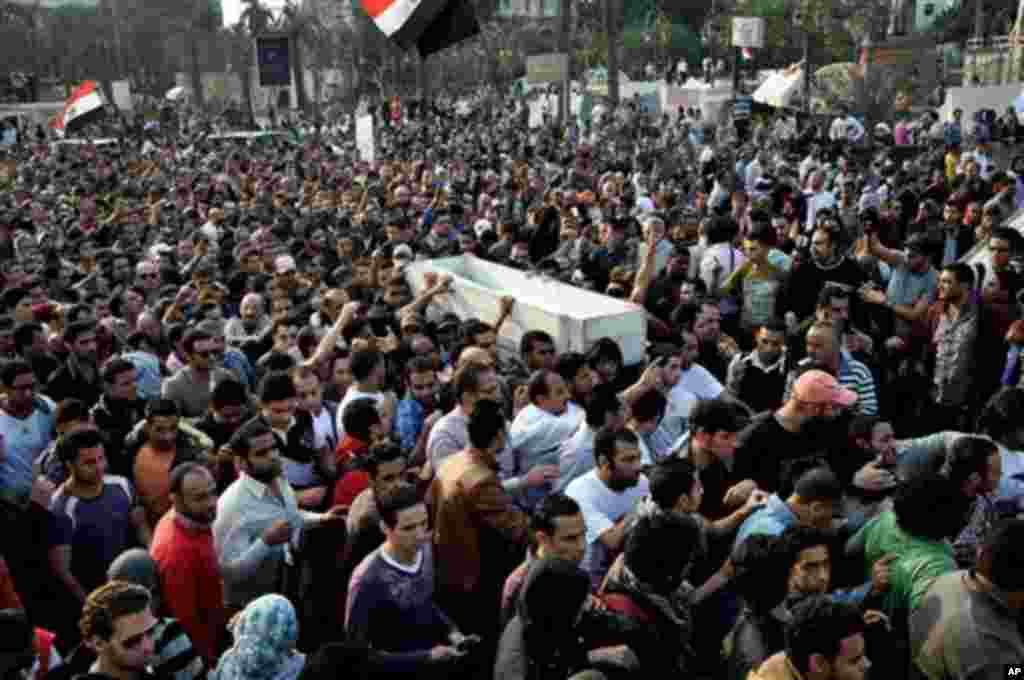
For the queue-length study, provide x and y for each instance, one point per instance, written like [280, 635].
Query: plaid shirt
[409, 419]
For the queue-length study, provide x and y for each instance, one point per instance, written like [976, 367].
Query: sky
[233, 9]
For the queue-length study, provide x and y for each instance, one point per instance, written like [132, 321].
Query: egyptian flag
[430, 25]
[83, 106]
[456, 23]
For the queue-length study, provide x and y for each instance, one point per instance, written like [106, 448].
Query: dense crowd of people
[237, 443]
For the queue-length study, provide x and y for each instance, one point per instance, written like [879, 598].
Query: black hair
[531, 338]
[669, 480]
[277, 386]
[818, 484]
[486, 422]
[402, 497]
[606, 440]
[818, 626]
[862, 426]
[963, 273]
[760, 572]
[71, 446]
[363, 362]
[359, 416]
[162, 408]
[795, 539]
[276, 362]
[78, 329]
[831, 291]
[550, 508]
[716, 415]
[113, 368]
[25, 334]
[968, 455]
[605, 349]
[228, 392]
[537, 386]
[379, 454]
[929, 506]
[650, 405]
[763, 233]
[241, 440]
[1005, 547]
[602, 401]
[1001, 415]
[70, 410]
[645, 553]
[183, 470]
[569, 365]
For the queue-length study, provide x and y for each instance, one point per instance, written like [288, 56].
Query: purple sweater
[392, 608]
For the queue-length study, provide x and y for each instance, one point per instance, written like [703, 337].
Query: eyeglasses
[205, 353]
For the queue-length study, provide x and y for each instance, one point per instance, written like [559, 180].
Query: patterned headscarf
[265, 635]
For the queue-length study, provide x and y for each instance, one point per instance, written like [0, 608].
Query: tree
[239, 42]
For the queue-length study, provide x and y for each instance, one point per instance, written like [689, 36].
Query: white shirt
[680, 402]
[1013, 464]
[700, 382]
[601, 508]
[725, 255]
[537, 435]
[816, 203]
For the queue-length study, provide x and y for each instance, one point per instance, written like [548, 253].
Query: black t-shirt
[765, 450]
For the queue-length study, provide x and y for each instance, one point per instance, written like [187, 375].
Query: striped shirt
[174, 655]
[853, 375]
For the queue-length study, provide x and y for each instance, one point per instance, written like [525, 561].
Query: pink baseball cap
[818, 387]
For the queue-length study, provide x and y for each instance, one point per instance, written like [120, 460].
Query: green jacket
[918, 561]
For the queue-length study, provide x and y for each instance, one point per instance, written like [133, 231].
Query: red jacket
[351, 482]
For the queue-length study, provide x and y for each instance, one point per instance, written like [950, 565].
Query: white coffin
[574, 317]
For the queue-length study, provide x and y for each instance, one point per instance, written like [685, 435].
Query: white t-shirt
[699, 381]
[601, 508]
[677, 411]
[323, 430]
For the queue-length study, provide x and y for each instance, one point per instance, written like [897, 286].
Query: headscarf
[265, 635]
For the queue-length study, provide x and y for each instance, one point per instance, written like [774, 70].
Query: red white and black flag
[429, 25]
[83, 106]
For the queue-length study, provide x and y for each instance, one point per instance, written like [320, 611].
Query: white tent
[778, 90]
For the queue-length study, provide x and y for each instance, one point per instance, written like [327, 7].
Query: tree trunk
[245, 75]
[300, 74]
[611, 27]
[196, 75]
[421, 78]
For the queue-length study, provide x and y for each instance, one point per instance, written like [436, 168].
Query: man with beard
[96, 516]
[79, 377]
[758, 378]
[258, 520]
[118, 409]
[798, 429]
[954, 326]
[190, 388]
[826, 265]
[824, 353]
[187, 560]
[417, 411]
[607, 496]
[715, 349]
